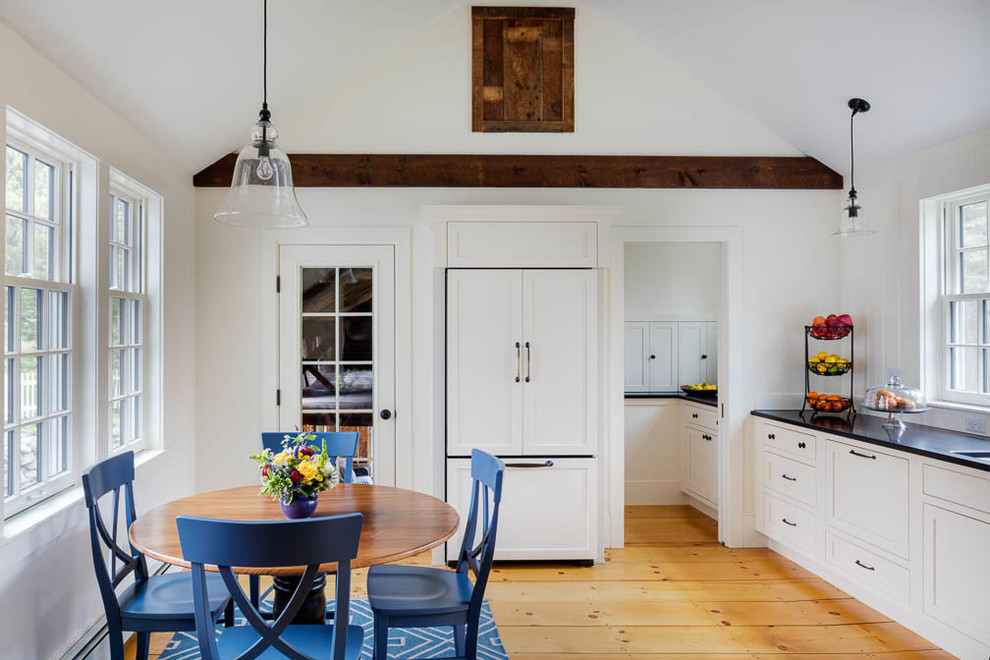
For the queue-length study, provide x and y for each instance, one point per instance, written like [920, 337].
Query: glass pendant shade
[261, 193]
[853, 223]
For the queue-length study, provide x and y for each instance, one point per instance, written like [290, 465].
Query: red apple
[845, 320]
[830, 320]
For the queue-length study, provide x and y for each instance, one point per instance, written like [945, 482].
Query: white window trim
[20, 136]
[938, 273]
[88, 194]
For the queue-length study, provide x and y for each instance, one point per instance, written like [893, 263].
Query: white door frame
[400, 238]
[731, 464]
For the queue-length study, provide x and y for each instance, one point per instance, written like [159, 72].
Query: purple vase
[300, 506]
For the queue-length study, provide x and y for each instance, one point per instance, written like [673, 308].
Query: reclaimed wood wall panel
[560, 171]
[522, 69]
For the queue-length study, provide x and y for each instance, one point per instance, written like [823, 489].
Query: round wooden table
[398, 523]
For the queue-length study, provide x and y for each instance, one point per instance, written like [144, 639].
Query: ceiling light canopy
[261, 193]
[853, 223]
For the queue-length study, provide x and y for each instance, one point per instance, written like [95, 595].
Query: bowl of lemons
[701, 389]
[825, 364]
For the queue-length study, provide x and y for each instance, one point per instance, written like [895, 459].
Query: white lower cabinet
[906, 534]
[701, 451]
[549, 508]
[868, 567]
[868, 494]
[957, 570]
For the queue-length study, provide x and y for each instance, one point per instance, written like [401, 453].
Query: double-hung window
[966, 298]
[128, 302]
[39, 294]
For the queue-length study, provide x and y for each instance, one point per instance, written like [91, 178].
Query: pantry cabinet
[660, 356]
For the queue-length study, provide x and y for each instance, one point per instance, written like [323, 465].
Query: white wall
[881, 282]
[415, 99]
[676, 280]
[48, 591]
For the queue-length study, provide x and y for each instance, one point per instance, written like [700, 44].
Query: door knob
[653, 357]
[385, 414]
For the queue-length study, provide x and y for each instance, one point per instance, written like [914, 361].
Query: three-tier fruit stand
[840, 334]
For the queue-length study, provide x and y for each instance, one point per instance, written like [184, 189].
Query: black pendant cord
[264, 59]
[852, 155]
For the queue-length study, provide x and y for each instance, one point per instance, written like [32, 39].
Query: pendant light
[853, 223]
[261, 193]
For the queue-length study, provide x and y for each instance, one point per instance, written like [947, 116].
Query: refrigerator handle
[518, 362]
[529, 363]
[546, 464]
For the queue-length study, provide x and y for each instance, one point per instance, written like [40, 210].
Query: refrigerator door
[549, 507]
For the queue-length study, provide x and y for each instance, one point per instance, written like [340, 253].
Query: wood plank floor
[675, 592]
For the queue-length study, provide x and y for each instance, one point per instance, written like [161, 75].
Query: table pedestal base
[314, 608]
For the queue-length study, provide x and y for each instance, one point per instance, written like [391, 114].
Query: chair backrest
[486, 473]
[340, 444]
[112, 476]
[229, 543]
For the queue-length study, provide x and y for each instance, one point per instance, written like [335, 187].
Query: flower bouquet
[296, 475]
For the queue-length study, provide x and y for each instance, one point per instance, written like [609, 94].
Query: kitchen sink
[982, 455]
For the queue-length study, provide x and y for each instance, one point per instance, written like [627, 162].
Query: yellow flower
[307, 470]
[281, 459]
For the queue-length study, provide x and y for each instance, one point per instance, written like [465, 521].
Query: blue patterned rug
[403, 644]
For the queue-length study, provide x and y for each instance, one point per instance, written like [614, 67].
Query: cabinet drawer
[956, 486]
[791, 478]
[547, 512]
[793, 443]
[789, 524]
[869, 495]
[704, 416]
[868, 567]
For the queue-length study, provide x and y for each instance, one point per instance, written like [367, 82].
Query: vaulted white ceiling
[187, 72]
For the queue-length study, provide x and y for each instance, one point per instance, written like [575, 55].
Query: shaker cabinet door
[484, 361]
[637, 343]
[663, 357]
[560, 365]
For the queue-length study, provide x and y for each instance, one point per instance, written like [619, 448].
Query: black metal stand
[851, 411]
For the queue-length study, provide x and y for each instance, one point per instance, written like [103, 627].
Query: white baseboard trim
[702, 506]
[654, 493]
[751, 537]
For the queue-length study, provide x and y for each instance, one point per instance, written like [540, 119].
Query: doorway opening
[672, 293]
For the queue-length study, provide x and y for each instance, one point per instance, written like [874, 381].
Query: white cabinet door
[701, 464]
[560, 365]
[711, 346]
[484, 361]
[637, 342]
[663, 357]
[869, 495]
[547, 511]
[691, 341]
[957, 573]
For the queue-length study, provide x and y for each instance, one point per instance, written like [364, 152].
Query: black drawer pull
[771, 436]
[530, 465]
[788, 522]
[802, 445]
[789, 477]
[856, 453]
[862, 565]
[694, 415]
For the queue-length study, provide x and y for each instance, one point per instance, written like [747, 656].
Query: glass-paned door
[337, 347]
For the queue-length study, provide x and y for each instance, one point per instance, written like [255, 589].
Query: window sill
[960, 407]
[51, 507]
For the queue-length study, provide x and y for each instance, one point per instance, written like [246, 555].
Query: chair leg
[143, 644]
[381, 638]
[115, 636]
[254, 587]
[228, 615]
[460, 638]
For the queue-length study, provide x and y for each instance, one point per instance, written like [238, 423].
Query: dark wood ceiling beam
[518, 171]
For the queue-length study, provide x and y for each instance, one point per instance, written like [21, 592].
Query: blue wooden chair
[160, 603]
[420, 596]
[340, 445]
[309, 543]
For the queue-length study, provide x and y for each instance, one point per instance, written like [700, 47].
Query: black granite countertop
[703, 400]
[916, 439]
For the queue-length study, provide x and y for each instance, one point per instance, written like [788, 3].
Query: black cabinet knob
[653, 357]
[385, 414]
[704, 357]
